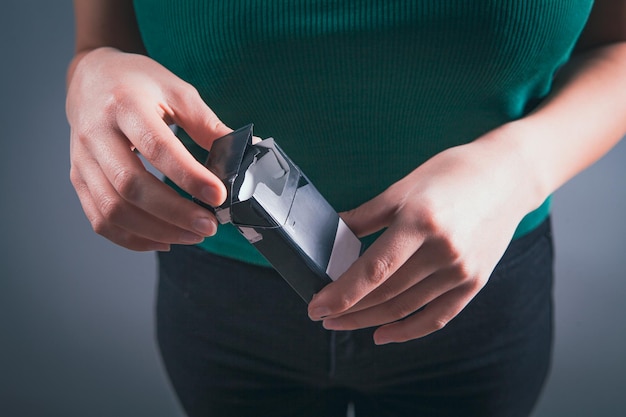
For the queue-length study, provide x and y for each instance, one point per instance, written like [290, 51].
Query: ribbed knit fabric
[359, 93]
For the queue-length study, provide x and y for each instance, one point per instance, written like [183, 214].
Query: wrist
[508, 146]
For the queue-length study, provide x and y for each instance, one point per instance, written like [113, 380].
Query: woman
[448, 125]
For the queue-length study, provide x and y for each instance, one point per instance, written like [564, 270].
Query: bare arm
[105, 23]
[585, 116]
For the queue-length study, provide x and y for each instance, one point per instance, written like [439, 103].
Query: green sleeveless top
[360, 92]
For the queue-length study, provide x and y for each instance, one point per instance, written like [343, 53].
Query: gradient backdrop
[76, 323]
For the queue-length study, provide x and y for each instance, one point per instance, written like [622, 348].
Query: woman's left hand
[448, 224]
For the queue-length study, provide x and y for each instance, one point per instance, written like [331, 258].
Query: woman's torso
[359, 93]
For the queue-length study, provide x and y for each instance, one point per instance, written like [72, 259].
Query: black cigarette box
[277, 209]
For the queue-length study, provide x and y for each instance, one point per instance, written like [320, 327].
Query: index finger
[153, 138]
[381, 260]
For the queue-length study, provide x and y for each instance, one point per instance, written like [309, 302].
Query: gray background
[76, 323]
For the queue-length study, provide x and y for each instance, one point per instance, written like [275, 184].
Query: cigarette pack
[279, 211]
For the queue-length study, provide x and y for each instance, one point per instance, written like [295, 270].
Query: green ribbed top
[359, 93]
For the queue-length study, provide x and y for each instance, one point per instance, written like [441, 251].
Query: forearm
[104, 23]
[576, 125]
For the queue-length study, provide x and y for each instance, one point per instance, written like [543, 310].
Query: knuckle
[378, 270]
[451, 251]
[120, 96]
[439, 323]
[128, 184]
[111, 209]
[100, 226]
[151, 145]
[75, 178]
[344, 303]
[466, 274]
[83, 132]
[458, 274]
[215, 125]
[474, 285]
[188, 93]
[116, 100]
[421, 212]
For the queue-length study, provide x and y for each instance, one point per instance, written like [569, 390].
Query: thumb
[371, 216]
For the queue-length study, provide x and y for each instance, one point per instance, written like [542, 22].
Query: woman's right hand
[118, 103]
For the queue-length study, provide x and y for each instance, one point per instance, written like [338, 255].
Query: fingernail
[188, 237]
[210, 196]
[382, 340]
[331, 324]
[163, 247]
[318, 313]
[204, 226]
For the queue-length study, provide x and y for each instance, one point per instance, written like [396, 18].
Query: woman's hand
[450, 221]
[118, 103]
[448, 224]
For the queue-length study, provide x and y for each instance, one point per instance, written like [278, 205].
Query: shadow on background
[76, 311]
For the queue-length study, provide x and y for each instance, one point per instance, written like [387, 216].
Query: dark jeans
[236, 341]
